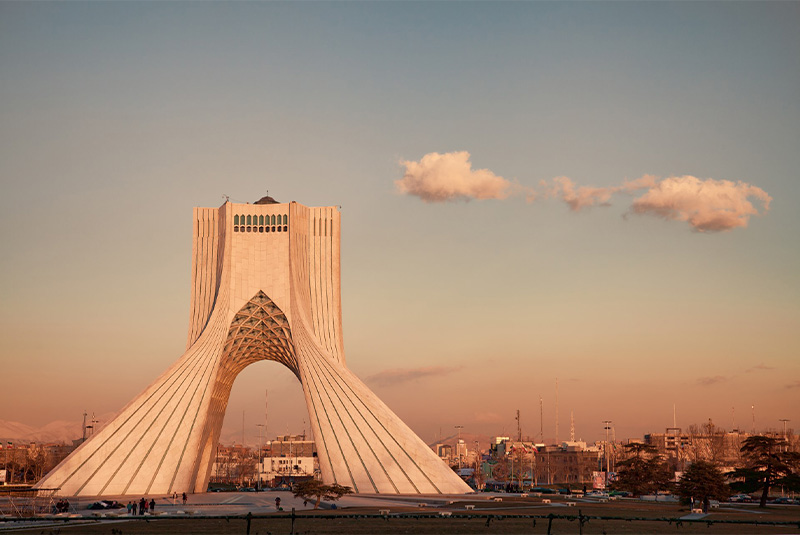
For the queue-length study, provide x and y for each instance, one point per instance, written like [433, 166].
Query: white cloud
[449, 177]
[706, 204]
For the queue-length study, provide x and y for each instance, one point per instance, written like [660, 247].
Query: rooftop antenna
[753, 410]
[541, 420]
[571, 426]
[733, 418]
[519, 429]
[226, 197]
[674, 418]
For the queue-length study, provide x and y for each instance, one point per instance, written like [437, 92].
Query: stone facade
[265, 286]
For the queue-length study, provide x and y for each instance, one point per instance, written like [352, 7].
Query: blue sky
[118, 118]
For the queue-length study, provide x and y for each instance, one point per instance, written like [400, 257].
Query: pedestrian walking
[134, 508]
[184, 498]
[129, 506]
[152, 506]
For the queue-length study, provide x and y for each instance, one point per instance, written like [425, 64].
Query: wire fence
[438, 522]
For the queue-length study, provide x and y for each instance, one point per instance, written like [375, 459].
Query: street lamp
[458, 450]
[785, 436]
[260, 450]
[606, 426]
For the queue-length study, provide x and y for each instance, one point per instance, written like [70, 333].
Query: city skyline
[119, 118]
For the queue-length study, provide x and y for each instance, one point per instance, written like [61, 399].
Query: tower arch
[256, 296]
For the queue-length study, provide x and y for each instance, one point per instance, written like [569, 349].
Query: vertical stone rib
[256, 296]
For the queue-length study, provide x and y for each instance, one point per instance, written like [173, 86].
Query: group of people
[141, 507]
[62, 506]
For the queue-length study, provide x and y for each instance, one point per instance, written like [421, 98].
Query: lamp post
[606, 426]
[5, 465]
[785, 436]
[458, 450]
[260, 450]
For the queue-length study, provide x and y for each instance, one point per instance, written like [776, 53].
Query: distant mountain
[59, 431]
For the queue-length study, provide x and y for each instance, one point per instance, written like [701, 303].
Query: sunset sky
[605, 194]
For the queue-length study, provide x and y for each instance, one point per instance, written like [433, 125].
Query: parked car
[620, 493]
[785, 500]
[741, 498]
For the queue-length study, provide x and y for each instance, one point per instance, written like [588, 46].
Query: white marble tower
[265, 286]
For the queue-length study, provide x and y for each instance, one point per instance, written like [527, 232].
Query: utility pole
[519, 428]
[541, 420]
[556, 410]
[84, 427]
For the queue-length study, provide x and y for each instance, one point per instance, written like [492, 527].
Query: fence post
[249, 517]
[549, 523]
[292, 521]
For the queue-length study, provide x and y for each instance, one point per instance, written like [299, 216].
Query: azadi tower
[265, 286]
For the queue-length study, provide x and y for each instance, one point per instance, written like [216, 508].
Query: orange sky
[459, 308]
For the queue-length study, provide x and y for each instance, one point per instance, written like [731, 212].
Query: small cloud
[707, 205]
[450, 177]
[708, 381]
[580, 197]
[793, 385]
[399, 375]
[758, 367]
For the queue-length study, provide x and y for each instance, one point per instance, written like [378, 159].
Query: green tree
[703, 481]
[767, 465]
[642, 472]
[317, 490]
